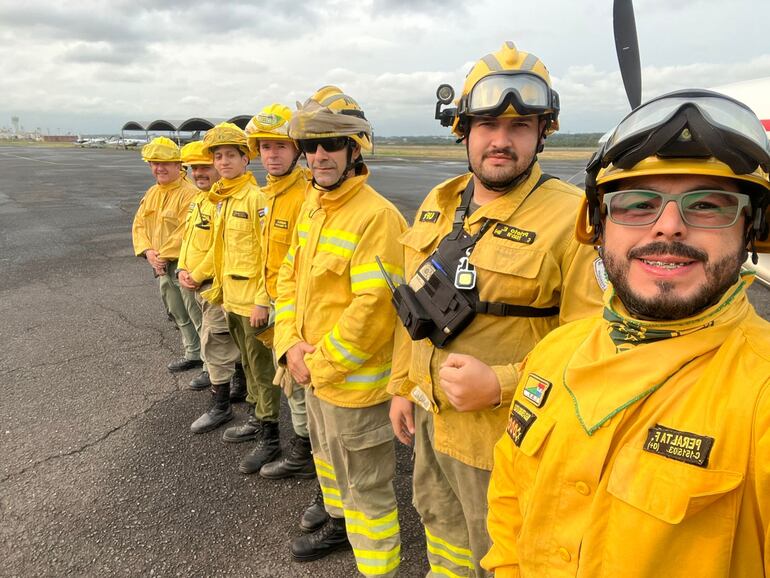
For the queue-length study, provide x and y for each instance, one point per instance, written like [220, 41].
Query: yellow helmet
[686, 132]
[272, 123]
[193, 154]
[508, 82]
[331, 113]
[161, 150]
[226, 133]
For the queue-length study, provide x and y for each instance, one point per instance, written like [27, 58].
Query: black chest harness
[441, 300]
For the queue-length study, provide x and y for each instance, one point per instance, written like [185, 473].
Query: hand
[186, 281]
[402, 419]
[295, 361]
[469, 384]
[152, 258]
[259, 316]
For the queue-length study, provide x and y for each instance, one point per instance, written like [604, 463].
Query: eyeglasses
[330, 144]
[527, 92]
[703, 209]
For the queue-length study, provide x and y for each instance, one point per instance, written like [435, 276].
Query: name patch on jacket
[679, 445]
[429, 216]
[281, 224]
[510, 233]
[241, 214]
[536, 390]
[519, 422]
[262, 212]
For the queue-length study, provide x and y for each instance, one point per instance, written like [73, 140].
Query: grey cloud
[103, 52]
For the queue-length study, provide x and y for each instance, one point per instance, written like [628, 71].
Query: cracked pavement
[100, 475]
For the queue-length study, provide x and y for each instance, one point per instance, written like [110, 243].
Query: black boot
[201, 381]
[329, 538]
[238, 385]
[268, 448]
[220, 411]
[243, 433]
[315, 514]
[297, 464]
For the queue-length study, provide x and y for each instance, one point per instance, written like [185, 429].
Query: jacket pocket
[527, 460]
[419, 238]
[327, 262]
[240, 248]
[666, 489]
[514, 275]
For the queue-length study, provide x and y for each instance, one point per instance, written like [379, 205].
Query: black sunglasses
[330, 144]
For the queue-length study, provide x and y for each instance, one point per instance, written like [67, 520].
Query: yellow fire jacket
[643, 460]
[160, 220]
[283, 199]
[236, 254]
[199, 232]
[528, 256]
[332, 295]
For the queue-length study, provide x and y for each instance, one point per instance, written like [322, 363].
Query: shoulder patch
[429, 216]
[511, 233]
[536, 390]
[601, 274]
[519, 422]
[241, 214]
[679, 445]
[281, 224]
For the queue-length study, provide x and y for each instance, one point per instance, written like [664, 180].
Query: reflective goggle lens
[330, 145]
[704, 209]
[720, 111]
[528, 93]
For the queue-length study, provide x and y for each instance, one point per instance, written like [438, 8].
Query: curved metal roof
[192, 124]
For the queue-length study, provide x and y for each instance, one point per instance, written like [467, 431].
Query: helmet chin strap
[291, 166]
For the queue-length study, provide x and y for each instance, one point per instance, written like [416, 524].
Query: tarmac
[100, 474]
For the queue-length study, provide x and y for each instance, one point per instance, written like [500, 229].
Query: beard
[501, 178]
[667, 305]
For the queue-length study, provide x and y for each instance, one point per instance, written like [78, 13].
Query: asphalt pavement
[99, 473]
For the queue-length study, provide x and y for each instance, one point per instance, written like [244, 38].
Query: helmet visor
[721, 112]
[528, 93]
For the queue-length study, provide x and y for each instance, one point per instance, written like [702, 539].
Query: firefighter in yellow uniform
[268, 138]
[157, 232]
[638, 442]
[334, 329]
[512, 228]
[238, 281]
[218, 348]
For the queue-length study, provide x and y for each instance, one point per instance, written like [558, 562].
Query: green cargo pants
[257, 363]
[184, 309]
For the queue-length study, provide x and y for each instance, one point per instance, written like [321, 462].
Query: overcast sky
[89, 66]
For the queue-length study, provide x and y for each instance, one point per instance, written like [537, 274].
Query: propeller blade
[627, 47]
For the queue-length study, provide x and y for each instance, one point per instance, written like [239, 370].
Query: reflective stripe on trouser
[257, 363]
[451, 498]
[217, 345]
[171, 294]
[355, 462]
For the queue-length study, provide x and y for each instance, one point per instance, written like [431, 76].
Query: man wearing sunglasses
[334, 330]
[638, 442]
[523, 270]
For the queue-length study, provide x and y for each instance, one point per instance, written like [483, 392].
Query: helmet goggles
[690, 123]
[527, 92]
